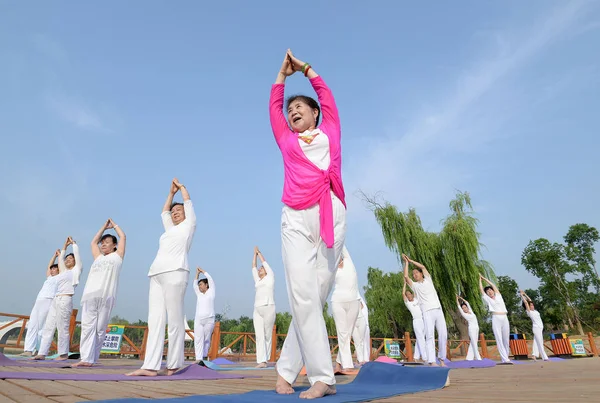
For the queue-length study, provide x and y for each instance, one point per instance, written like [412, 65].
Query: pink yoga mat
[193, 372]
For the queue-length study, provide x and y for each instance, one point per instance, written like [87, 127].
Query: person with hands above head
[169, 276]
[465, 310]
[412, 304]
[313, 222]
[100, 292]
[59, 316]
[38, 315]
[433, 316]
[204, 322]
[537, 327]
[495, 303]
[264, 307]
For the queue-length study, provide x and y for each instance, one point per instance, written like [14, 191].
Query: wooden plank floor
[576, 380]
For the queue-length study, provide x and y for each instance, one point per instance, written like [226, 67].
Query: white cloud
[420, 168]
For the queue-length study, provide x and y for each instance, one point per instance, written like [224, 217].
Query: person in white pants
[362, 334]
[313, 224]
[345, 305]
[413, 305]
[264, 308]
[204, 322]
[169, 275]
[100, 292]
[465, 310]
[59, 317]
[537, 328]
[38, 315]
[433, 316]
[495, 303]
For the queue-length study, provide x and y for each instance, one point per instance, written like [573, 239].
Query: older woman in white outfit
[264, 308]
[465, 310]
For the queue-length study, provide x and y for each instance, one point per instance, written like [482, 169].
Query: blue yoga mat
[212, 365]
[374, 381]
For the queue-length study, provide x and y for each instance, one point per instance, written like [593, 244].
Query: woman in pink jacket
[313, 223]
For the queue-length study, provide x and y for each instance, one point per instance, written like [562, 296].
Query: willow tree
[452, 255]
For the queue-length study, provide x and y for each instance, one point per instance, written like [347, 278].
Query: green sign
[113, 339]
[577, 347]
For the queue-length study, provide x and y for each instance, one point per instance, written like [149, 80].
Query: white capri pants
[203, 329]
[58, 318]
[95, 315]
[420, 344]
[501, 329]
[264, 319]
[473, 351]
[35, 325]
[434, 320]
[165, 307]
[538, 343]
[310, 269]
[344, 315]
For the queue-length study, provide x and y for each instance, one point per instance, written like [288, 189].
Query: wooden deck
[576, 380]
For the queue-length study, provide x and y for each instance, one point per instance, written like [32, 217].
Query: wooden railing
[246, 342]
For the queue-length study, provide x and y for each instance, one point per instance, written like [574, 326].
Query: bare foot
[319, 389]
[142, 372]
[62, 358]
[338, 368]
[39, 358]
[26, 354]
[173, 371]
[442, 363]
[81, 364]
[433, 364]
[262, 365]
[283, 387]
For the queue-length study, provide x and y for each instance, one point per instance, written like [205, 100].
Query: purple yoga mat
[8, 362]
[485, 363]
[222, 361]
[193, 372]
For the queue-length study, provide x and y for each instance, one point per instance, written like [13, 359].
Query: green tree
[452, 256]
[388, 317]
[580, 250]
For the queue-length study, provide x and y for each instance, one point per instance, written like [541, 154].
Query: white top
[175, 242]
[415, 308]
[67, 279]
[536, 319]
[471, 318]
[345, 288]
[103, 280]
[49, 288]
[205, 304]
[496, 304]
[265, 287]
[426, 294]
[318, 150]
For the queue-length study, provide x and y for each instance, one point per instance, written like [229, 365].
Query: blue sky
[102, 104]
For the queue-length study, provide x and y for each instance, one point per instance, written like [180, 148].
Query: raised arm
[525, 300]
[78, 264]
[496, 291]
[406, 275]
[48, 270]
[61, 258]
[254, 269]
[404, 291]
[462, 313]
[481, 285]
[211, 284]
[279, 124]
[96, 240]
[422, 267]
[196, 289]
[122, 238]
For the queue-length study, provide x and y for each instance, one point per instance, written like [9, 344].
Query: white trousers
[35, 324]
[344, 315]
[473, 351]
[165, 307]
[264, 319]
[59, 318]
[310, 269]
[434, 320]
[538, 343]
[359, 335]
[95, 315]
[420, 344]
[501, 329]
[203, 329]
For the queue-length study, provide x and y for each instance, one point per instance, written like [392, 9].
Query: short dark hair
[175, 204]
[418, 269]
[488, 287]
[106, 236]
[54, 266]
[463, 304]
[205, 281]
[70, 254]
[308, 101]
